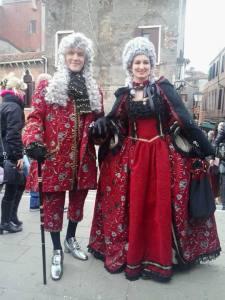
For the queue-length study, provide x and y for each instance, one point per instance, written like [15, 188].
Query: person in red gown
[141, 222]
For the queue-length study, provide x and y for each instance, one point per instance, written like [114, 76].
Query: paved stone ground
[21, 270]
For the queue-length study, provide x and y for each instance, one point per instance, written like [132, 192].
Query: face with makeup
[140, 68]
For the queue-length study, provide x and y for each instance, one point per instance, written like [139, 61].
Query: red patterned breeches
[54, 208]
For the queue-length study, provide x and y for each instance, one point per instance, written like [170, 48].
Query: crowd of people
[141, 223]
[217, 166]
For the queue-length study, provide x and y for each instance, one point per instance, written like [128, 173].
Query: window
[205, 102]
[154, 34]
[210, 73]
[222, 63]
[32, 26]
[212, 100]
[58, 36]
[214, 106]
[223, 103]
[220, 99]
[217, 68]
[213, 70]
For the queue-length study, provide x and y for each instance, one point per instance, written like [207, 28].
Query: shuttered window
[154, 34]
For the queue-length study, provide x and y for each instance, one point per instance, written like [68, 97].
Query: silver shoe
[73, 247]
[57, 264]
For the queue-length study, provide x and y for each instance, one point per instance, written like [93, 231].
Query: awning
[208, 125]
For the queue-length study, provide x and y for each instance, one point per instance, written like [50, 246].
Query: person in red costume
[141, 221]
[63, 108]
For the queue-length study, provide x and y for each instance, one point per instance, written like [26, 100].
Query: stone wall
[110, 24]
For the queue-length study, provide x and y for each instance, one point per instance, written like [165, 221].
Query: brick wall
[14, 25]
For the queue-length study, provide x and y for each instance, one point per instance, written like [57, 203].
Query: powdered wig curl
[58, 86]
[138, 46]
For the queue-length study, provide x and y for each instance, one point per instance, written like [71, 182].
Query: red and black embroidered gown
[141, 222]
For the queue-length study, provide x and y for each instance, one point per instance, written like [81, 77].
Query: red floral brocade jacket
[59, 127]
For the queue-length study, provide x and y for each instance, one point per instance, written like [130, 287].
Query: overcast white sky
[204, 31]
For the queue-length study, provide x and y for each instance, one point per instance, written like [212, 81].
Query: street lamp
[197, 105]
[179, 85]
[198, 97]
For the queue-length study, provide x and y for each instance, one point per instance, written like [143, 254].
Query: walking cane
[30, 151]
[42, 222]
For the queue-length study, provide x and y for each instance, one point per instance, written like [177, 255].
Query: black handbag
[201, 198]
[12, 175]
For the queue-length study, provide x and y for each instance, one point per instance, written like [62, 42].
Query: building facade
[213, 104]
[20, 26]
[41, 24]
[191, 90]
[110, 24]
[22, 29]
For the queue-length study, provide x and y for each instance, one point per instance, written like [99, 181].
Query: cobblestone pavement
[21, 269]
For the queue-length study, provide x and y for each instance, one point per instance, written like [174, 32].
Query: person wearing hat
[12, 122]
[141, 222]
[63, 108]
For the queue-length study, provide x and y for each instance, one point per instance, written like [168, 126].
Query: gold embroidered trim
[145, 140]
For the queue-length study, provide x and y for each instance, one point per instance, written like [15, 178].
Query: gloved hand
[99, 128]
[36, 151]
[197, 164]
[175, 128]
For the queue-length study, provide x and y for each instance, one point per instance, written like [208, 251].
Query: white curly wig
[138, 46]
[58, 85]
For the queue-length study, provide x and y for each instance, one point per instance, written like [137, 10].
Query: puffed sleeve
[34, 129]
[183, 117]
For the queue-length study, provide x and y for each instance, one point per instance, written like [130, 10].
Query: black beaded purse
[201, 198]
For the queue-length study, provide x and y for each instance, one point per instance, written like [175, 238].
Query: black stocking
[56, 240]
[71, 229]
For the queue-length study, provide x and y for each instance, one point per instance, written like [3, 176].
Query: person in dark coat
[142, 223]
[12, 122]
[219, 140]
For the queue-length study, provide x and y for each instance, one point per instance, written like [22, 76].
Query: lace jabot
[77, 91]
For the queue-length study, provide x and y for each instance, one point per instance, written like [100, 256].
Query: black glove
[197, 164]
[36, 151]
[99, 128]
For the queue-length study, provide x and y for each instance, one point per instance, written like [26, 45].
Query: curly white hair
[138, 46]
[58, 85]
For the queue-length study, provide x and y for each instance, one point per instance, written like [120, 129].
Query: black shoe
[16, 202]
[10, 227]
[16, 221]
